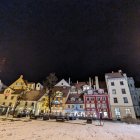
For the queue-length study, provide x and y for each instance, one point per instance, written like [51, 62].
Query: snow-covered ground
[72, 130]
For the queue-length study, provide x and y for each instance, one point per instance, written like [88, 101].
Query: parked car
[62, 118]
[72, 117]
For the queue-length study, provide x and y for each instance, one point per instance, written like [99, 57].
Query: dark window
[87, 99]
[98, 98]
[81, 106]
[125, 99]
[12, 97]
[3, 103]
[123, 91]
[112, 84]
[115, 100]
[5, 97]
[121, 83]
[103, 98]
[32, 104]
[10, 104]
[26, 103]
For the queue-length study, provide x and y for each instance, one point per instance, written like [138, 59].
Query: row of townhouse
[116, 98]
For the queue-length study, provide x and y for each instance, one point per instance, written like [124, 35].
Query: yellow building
[30, 101]
[8, 100]
[42, 105]
[19, 84]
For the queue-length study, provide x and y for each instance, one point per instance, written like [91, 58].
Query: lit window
[128, 111]
[88, 105]
[92, 105]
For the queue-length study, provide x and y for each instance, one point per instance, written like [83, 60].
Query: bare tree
[49, 84]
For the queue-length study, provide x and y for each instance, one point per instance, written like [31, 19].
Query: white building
[134, 95]
[39, 86]
[62, 83]
[120, 98]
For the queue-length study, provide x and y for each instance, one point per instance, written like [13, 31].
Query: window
[98, 105]
[123, 91]
[121, 83]
[125, 99]
[88, 105]
[112, 84]
[104, 98]
[104, 106]
[26, 103]
[92, 105]
[98, 98]
[32, 104]
[68, 106]
[72, 106]
[3, 103]
[10, 104]
[128, 111]
[81, 106]
[87, 99]
[115, 100]
[92, 99]
[72, 99]
[12, 97]
[5, 97]
[113, 91]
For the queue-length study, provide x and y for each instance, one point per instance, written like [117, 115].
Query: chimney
[97, 82]
[94, 87]
[69, 80]
[89, 81]
[92, 82]
[120, 71]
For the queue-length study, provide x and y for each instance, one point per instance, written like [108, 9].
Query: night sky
[73, 38]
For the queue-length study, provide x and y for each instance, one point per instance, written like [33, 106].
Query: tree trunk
[50, 104]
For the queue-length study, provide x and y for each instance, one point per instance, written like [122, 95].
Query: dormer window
[72, 99]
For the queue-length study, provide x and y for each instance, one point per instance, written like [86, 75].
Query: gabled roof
[34, 95]
[62, 83]
[80, 84]
[77, 97]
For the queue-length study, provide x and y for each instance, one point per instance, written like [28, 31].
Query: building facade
[75, 105]
[96, 104]
[134, 95]
[119, 94]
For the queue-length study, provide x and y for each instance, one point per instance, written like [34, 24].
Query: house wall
[134, 96]
[97, 103]
[119, 95]
[75, 109]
